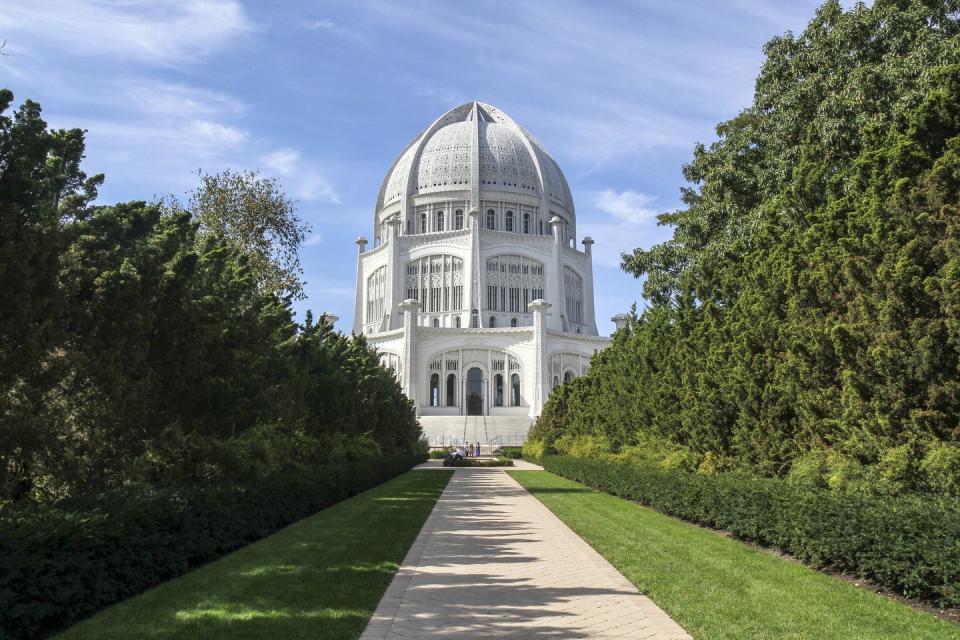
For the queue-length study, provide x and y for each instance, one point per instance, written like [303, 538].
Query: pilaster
[556, 227]
[358, 305]
[409, 376]
[539, 308]
[591, 315]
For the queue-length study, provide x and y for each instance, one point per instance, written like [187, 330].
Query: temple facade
[474, 289]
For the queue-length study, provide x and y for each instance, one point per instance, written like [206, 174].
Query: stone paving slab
[492, 561]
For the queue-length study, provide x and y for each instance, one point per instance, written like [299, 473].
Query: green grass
[319, 578]
[719, 588]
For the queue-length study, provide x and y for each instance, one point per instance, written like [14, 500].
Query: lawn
[720, 588]
[319, 578]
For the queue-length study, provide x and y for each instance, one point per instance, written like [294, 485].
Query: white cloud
[178, 101]
[626, 220]
[282, 162]
[305, 181]
[217, 136]
[313, 239]
[162, 32]
[629, 205]
[313, 25]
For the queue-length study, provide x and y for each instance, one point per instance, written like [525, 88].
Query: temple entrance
[474, 392]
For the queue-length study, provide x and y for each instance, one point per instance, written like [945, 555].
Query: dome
[475, 149]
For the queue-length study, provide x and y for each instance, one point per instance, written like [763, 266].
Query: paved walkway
[492, 561]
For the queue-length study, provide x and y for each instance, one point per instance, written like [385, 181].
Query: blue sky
[324, 95]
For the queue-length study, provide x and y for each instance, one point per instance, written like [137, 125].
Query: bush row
[60, 563]
[907, 543]
[450, 461]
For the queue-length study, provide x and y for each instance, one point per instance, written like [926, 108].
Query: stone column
[590, 316]
[358, 307]
[539, 308]
[620, 320]
[473, 288]
[556, 226]
[394, 273]
[409, 377]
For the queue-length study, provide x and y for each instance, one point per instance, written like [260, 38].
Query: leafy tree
[254, 216]
[41, 184]
[807, 300]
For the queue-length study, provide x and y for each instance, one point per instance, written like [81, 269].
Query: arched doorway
[475, 392]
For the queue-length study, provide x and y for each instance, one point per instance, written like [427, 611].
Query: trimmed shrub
[477, 462]
[513, 453]
[908, 543]
[60, 563]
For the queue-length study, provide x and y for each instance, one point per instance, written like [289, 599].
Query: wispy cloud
[306, 180]
[163, 32]
[619, 222]
[628, 206]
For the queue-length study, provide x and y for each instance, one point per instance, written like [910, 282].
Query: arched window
[439, 220]
[568, 377]
[556, 382]
[513, 282]
[376, 294]
[423, 223]
[573, 288]
[436, 282]
[513, 322]
[435, 390]
[498, 390]
[458, 219]
[491, 219]
[541, 227]
[436, 322]
[475, 319]
[458, 322]
[509, 221]
[451, 390]
[515, 390]
[493, 321]
[526, 223]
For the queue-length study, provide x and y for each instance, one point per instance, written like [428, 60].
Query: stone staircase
[489, 431]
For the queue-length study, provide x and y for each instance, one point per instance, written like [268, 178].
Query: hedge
[450, 461]
[908, 543]
[61, 563]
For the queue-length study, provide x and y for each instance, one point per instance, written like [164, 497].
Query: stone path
[492, 561]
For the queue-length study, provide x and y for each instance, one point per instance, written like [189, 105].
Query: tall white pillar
[409, 377]
[620, 320]
[473, 269]
[556, 226]
[590, 313]
[358, 306]
[394, 271]
[539, 308]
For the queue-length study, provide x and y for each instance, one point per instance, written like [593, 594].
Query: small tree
[252, 213]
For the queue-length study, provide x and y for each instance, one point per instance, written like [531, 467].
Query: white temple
[474, 290]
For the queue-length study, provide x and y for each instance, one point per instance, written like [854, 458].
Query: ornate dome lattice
[475, 142]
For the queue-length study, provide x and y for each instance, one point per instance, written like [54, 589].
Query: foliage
[906, 543]
[439, 454]
[139, 345]
[513, 453]
[718, 588]
[450, 461]
[807, 302]
[59, 563]
[253, 215]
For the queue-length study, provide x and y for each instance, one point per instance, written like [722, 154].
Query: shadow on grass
[322, 577]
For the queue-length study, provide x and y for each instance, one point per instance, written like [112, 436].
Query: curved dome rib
[447, 158]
